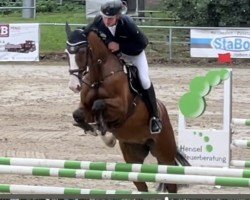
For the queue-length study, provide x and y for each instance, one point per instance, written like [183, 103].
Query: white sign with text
[19, 42]
[211, 43]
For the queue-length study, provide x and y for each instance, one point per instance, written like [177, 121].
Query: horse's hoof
[84, 126]
[164, 187]
[77, 124]
[103, 131]
[161, 187]
[90, 130]
[94, 133]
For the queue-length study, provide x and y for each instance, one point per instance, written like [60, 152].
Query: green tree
[209, 12]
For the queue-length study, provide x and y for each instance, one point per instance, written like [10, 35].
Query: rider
[123, 36]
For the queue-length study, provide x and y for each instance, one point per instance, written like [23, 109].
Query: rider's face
[110, 21]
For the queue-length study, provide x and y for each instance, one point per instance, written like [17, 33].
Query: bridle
[73, 49]
[81, 71]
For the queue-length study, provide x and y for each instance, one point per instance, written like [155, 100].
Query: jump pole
[240, 163]
[241, 143]
[238, 121]
[125, 167]
[126, 176]
[28, 189]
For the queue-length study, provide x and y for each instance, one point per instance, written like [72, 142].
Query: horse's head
[77, 50]
[87, 52]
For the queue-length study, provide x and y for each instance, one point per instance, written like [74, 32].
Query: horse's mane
[98, 47]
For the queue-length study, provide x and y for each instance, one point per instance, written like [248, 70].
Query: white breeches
[140, 61]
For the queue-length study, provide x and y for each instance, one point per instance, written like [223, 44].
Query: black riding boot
[155, 123]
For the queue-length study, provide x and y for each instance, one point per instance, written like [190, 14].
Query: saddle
[133, 79]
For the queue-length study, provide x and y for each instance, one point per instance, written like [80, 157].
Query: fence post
[29, 9]
[170, 43]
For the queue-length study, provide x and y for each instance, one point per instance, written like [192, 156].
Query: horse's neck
[98, 48]
[100, 53]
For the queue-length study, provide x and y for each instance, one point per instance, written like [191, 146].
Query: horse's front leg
[109, 112]
[79, 118]
[99, 107]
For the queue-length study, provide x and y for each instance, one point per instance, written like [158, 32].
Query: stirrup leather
[155, 125]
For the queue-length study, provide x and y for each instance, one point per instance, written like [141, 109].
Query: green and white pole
[126, 167]
[126, 176]
[28, 189]
[242, 143]
[240, 163]
[244, 122]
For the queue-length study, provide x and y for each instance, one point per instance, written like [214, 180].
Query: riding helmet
[112, 8]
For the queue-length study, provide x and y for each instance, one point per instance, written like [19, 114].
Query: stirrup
[155, 125]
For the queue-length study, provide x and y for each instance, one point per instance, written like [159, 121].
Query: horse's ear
[67, 29]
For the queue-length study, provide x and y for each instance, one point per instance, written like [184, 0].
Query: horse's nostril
[75, 89]
[79, 88]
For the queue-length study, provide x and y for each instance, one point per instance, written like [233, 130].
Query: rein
[97, 84]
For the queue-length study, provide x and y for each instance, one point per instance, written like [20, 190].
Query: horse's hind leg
[135, 153]
[163, 187]
[164, 149]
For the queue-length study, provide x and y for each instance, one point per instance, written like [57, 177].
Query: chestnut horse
[107, 100]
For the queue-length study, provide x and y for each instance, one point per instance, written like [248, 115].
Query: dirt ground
[36, 120]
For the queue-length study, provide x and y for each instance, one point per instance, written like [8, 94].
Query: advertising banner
[19, 42]
[211, 43]
[206, 147]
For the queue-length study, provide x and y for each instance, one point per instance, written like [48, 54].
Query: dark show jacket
[130, 38]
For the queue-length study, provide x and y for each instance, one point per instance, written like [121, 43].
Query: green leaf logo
[193, 103]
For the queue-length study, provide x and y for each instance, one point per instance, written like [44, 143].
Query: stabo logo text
[233, 43]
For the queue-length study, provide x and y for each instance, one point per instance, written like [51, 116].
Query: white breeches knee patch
[140, 61]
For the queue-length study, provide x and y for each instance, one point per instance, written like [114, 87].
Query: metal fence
[28, 8]
[165, 42]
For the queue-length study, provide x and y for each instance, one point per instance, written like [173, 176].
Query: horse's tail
[180, 159]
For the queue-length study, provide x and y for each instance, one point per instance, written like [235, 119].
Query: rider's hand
[113, 46]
